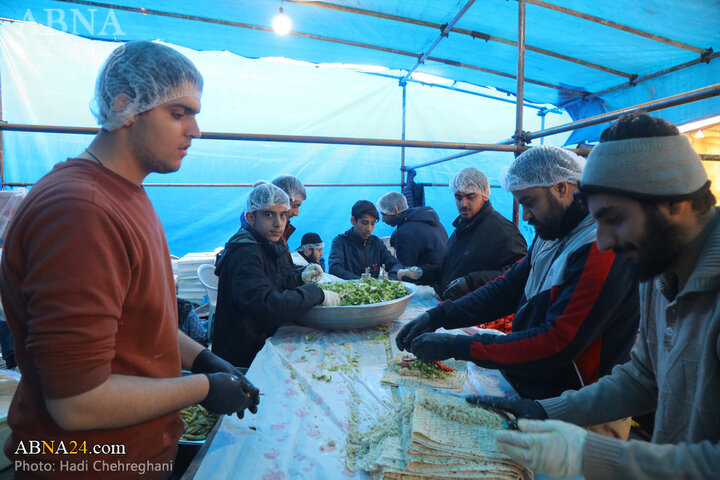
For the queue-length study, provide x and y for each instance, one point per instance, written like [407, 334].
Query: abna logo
[82, 24]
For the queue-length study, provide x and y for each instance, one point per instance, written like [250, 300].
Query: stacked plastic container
[188, 283]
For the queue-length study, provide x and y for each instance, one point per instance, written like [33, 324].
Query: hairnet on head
[264, 196]
[543, 166]
[470, 180]
[392, 203]
[138, 76]
[291, 185]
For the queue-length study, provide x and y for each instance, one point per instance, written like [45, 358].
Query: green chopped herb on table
[326, 378]
[425, 369]
[363, 292]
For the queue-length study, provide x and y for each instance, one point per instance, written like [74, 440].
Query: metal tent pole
[444, 31]
[519, 134]
[260, 137]
[705, 58]
[402, 149]
[662, 103]
[461, 31]
[618, 26]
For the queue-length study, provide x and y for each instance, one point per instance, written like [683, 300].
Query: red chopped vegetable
[444, 367]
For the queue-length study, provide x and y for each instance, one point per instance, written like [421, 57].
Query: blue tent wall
[48, 78]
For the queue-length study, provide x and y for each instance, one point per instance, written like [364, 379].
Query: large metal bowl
[357, 316]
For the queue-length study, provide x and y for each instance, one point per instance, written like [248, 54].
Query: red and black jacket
[576, 314]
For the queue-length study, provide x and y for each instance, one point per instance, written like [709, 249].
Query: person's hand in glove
[208, 362]
[429, 347]
[412, 273]
[332, 299]
[311, 272]
[520, 407]
[417, 326]
[227, 394]
[456, 289]
[549, 447]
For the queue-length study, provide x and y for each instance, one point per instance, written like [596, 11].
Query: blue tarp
[48, 75]
[48, 78]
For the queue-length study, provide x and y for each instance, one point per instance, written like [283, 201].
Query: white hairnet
[470, 180]
[266, 195]
[392, 203]
[138, 76]
[543, 166]
[291, 185]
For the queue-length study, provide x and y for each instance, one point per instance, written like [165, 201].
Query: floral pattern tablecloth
[315, 384]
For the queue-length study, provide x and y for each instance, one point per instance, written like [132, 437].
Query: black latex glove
[417, 326]
[520, 407]
[456, 289]
[429, 347]
[208, 362]
[227, 394]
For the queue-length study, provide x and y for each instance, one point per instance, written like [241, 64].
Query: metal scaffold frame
[516, 144]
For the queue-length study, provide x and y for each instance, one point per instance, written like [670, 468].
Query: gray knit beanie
[653, 168]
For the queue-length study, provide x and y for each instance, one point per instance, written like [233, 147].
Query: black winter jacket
[350, 254]
[479, 250]
[419, 238]
[255, 296]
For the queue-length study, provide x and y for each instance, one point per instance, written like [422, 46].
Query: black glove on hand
[520, 407]
[227, 395]
[412, 329]
[208, 362]
[456, 289]
[429, 347]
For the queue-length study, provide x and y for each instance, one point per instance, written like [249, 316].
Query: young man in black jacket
[483, 245]
[357, 249]
[419, 238]
[256, 295]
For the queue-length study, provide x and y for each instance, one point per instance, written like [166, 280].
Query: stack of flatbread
[440, 437]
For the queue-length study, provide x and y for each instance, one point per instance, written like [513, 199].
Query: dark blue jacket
[255, 296]
[419, 238]
[350, 255]
[576, 314]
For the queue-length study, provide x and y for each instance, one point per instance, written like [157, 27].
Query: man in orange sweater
[89, 295]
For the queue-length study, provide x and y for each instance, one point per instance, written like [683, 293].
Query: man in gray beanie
[576, 308]
[650, 195]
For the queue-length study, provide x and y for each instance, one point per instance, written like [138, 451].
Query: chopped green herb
[363, 292]
[326, 378]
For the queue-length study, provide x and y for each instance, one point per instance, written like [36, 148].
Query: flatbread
[396, 375]
[440, 437]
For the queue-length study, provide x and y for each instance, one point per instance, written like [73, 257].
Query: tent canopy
[582, 55]
[573, 47]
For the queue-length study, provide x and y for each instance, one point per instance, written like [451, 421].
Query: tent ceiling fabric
[692, 27]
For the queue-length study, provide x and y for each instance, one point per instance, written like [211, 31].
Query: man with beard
[651, 197]
[576, 308]
[483, 245]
